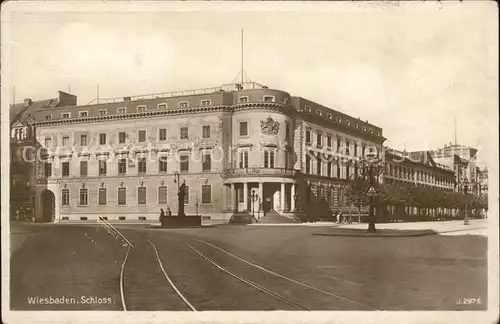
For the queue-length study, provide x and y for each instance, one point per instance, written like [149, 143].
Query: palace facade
[239, 149]
[417, 168]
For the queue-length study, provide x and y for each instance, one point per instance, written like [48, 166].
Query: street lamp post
[197, 204]
[370, 168]
[466, 215]
[181, 191]
[254, 197]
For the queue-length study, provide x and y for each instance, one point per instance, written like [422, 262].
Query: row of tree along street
[408, 202]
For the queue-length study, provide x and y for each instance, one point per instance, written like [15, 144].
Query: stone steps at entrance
[273, 217]
[242, 218]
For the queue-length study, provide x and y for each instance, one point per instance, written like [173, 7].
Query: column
[282, 197]
[245, 196]
[233, 197]
[292, 196]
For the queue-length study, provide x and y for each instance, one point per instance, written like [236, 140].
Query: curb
[423, 233]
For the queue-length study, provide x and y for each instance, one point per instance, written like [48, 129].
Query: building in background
[482, 176]
[462, 160]
[239, 148]
[23, 148]
[417, 168]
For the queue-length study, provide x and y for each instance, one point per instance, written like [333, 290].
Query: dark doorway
[48, 206]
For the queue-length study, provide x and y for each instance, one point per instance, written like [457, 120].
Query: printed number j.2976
[469, 301]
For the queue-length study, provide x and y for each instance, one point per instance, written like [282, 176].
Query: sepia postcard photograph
[249, 162]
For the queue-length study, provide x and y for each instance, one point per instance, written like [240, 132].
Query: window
[65, 197]
[84, 193]
[184, 133]
[121, 110]
[243, 162]
[308, 136]
[269, 98]
[338, 145]
[141, 195]
[121, 137]
[206, 194]
[243, 99]
[162, 134]
[122, 196]
[308, 164]
[65, 169]
[243, 128]
[162, 164]
[347, 145]
[183, 104]
[162, 195]
[48, 117]
[186, 195]
[102, 139]
[286, 100]
[48, 142]
[83, 168]
[65, 115]
[205, 102]
[141, 108]
[363, 148]
[329, 141]
[184, 161]
[319, 166]
[103, 166]
[241, 196]
[319, 112]
[329, 170]
[347, 171]
[142, 136]
[268, 159]
[122, 166]
[102, 196]
[65, 141]
[329, 115]
[83, 140]
[162, 106]
[308, 108]
[287, 130]
[47, 169]
[319, 137]
[206, 131]
[83, 113]
[103, 112]
[338, 169]
[141, 165]
[206, 161]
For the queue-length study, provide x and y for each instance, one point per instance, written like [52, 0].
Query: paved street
[241, 268]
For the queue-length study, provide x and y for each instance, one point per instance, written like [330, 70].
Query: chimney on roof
[27, 102]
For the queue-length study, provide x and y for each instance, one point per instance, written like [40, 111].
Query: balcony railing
[255, 171]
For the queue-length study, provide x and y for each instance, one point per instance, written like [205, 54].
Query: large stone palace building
[417, 168]
[239, 148]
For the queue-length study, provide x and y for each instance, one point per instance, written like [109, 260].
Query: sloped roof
[20, 112]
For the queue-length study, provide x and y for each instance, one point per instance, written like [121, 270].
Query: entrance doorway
[48, 206]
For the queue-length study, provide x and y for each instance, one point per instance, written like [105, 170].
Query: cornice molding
[136, 115]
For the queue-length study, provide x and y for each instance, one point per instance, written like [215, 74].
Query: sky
[410, 68]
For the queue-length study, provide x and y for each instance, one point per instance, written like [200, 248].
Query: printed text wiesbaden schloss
[63, 300]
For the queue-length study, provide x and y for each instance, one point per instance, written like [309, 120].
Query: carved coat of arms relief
[269, 126]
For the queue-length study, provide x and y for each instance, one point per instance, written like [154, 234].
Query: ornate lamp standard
[254, 197]
[370, 167]
[466, 189]
[181, 191]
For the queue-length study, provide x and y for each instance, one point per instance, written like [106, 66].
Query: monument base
[181, 221]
